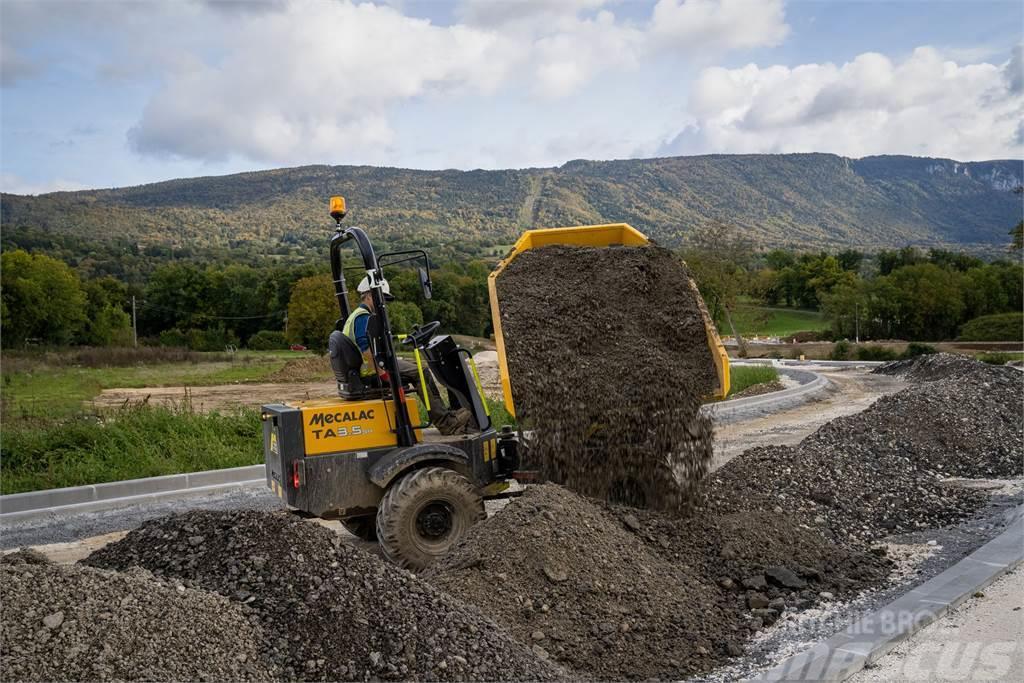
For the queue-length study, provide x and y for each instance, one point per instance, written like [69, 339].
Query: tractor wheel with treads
[425, 513]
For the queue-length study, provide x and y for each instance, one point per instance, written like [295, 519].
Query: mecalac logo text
[321, 419]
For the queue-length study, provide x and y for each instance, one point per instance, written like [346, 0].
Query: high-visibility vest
[349, 330]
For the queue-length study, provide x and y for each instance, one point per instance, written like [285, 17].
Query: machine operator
[447, 421]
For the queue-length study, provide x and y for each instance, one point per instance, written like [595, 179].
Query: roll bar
[382, 334]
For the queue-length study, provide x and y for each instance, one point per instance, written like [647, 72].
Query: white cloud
[923, 105]
[519, 13]
[11, 183]
[719, 25]
[313, 80]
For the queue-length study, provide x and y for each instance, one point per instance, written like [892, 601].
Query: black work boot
[454, 422]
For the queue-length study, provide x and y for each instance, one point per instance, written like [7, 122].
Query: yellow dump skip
[613, 234]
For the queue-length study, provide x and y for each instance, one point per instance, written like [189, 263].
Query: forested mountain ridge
[802, 201]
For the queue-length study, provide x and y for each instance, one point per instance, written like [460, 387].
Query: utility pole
[856, 333]
[135, 327]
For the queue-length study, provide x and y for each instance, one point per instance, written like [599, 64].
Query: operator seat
[346, 361]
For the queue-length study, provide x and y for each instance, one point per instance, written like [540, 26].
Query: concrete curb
[811, 386]
[819, 363]
[871, 637]
[18, 507]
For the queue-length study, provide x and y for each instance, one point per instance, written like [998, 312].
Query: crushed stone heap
[74, 623]
[935, 366]
[330, 611]
[609, 361]
[882, 471]
[617, 593]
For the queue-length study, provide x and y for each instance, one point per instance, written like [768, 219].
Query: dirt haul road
[852, 390]
[218, 396]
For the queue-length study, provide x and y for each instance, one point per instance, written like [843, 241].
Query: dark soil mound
[557, 570]
[76, 623]
[304, 369]
[747, 552]
[609, 360]
[331, 611]
[880, 471]
[24, 556]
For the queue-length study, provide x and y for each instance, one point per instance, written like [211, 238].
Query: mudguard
[385, 470]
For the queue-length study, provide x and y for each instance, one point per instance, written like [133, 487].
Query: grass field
[744, 376]
[764, 321]
[45, 389]
[133, 443]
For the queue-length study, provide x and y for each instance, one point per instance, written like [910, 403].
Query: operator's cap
[385, 288]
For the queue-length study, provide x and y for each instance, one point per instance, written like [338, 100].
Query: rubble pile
[74, 623]
[618, 593]
[556, 570]
[885, 470]
[330, 611]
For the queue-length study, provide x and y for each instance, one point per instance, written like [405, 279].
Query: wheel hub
[434, 521]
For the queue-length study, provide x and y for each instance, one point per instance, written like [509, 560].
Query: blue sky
[101, 94]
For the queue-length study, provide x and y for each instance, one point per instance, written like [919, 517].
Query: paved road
[982, 640]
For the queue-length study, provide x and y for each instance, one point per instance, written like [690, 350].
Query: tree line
[905, 293]
[211, 307]
[891, 294]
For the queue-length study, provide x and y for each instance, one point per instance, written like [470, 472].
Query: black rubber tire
[401, 537]
[364, 527]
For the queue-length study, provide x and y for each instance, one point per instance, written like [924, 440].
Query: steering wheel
[419, 335]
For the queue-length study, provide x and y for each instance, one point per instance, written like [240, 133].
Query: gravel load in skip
[329, 611]
[609, 360]
[886, 470]
[74, 623]
[619, 593]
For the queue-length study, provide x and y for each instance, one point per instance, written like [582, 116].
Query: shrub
[212, 339]
[812, 336]
[997, 327]
[915, 349]
[173, 337]
[131, 443]
[995, 357]
[840, 350]
[267, 340]
[112, 356]
[875, 353]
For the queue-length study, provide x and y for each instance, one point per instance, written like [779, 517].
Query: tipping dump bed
[614, 234]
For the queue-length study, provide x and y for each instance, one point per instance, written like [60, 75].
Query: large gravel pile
[882, 470]
[758, 555]
[330, 611]
[935, 366]
[73, 623]
[608, 356]
[556, 570]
